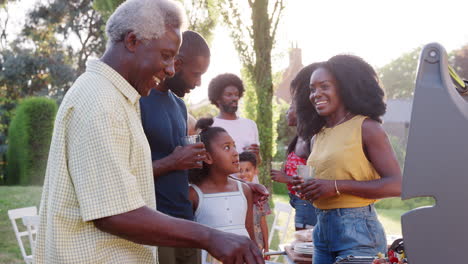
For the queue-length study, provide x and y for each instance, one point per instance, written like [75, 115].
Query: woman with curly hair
[297, 153]
[353, 160]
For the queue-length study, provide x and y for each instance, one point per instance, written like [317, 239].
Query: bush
[280, 188]
[29, 138]
[397, 203]
[7, 106]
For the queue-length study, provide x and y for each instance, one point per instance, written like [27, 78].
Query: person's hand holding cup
[193, 151]
[305, 174]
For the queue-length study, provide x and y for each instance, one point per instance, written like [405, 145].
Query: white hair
[146, 18]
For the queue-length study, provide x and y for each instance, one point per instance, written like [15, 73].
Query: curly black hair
[300, 84]
[207, 134]
[218, 83]
[359, 89]
[248, 156]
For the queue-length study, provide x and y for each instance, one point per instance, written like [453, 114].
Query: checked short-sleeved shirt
[99, 165]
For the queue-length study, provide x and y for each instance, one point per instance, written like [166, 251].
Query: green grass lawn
[12, 198]
[17, 197]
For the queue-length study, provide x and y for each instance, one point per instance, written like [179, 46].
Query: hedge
[29, 138]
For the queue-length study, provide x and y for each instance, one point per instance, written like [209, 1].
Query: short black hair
[358, 86]
[218, 83]
[248, 156]
[193, 45]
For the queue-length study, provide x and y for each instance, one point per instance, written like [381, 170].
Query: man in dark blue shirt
[164, 118]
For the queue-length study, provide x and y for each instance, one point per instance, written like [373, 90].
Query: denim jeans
[347, 231]
[305, 212]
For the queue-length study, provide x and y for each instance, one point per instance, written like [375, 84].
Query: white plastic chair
[280, 208]
[31, 221]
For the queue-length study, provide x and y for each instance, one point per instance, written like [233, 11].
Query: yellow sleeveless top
[337, 154]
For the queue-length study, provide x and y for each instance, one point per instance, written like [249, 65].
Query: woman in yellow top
[353, 160]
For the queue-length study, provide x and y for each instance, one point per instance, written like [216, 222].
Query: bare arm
[380, 153]
[280, 176]
[264, 227]
[182, 158]
[150, 227]
[259, 192]
[193, 197]
[249, 225]
[143, 226]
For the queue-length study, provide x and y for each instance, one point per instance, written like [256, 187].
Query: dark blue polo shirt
[164, 119]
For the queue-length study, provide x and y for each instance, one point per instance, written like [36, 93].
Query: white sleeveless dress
[225, 211]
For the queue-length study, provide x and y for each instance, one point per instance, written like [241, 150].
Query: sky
[377, 30]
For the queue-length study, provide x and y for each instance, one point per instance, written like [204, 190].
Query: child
[219, 201]
[248, 170]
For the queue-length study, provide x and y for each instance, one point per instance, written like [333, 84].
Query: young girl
[219, 201]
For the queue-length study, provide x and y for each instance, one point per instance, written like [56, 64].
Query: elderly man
[98, 203]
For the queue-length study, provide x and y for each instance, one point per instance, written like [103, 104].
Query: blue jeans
[347, 231]
[305, 212]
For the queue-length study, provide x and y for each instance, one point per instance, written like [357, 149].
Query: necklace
[342, 120]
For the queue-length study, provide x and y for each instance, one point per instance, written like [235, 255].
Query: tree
[71, 19]
[399, 76]
[460, 61]
[254, 43]
[57, 39]
[52, 49]
[202, 14]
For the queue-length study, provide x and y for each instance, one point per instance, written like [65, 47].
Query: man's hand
[234, 249]
[182, 158]
[279, 176]
[188, 157]
[260, 193]
[149, 227]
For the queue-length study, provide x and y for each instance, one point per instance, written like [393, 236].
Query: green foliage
[6, 114]
[52, 49]
[397, 203]
[106, 7]
[202, 15]
[26, 72]
[249, 106]
[460, 61]
[12, 197]
[280, 188]
[284, 132]
[29, 138]
[253, 40]
[399, 147]
[207, 110]
[68, 19]
[398, 77]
